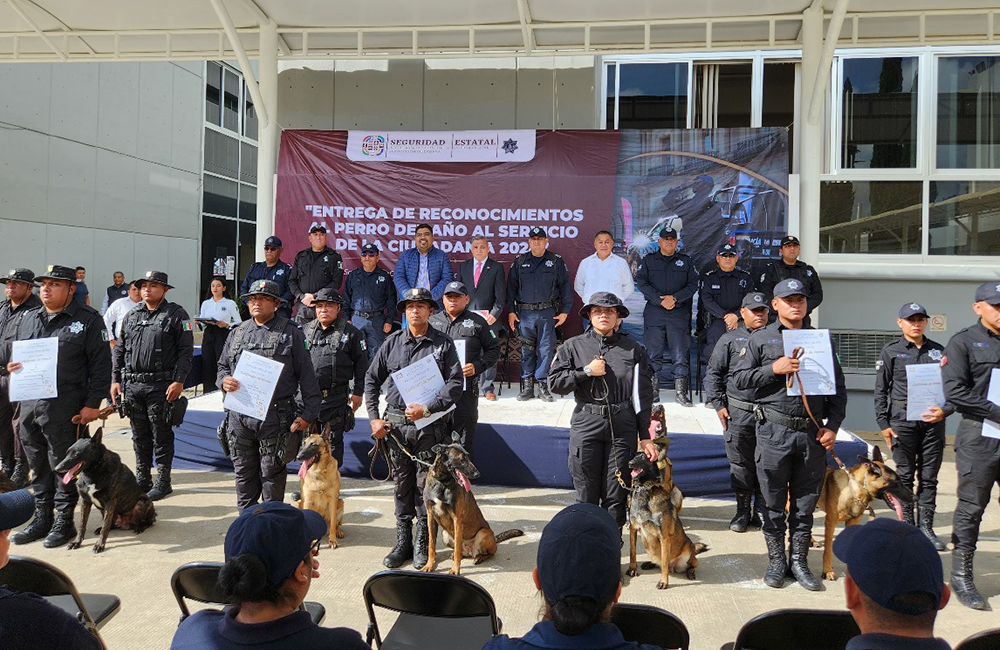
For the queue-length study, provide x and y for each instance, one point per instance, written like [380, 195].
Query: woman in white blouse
[223, 313]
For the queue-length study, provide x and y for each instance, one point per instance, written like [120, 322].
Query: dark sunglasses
[270, 248]
[368, 254]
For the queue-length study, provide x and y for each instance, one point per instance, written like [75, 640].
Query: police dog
[451, 505]
[319, 477]
[846, 496]
[654, 513]
[104, 482]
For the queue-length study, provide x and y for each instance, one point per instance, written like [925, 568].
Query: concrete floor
[728, 592]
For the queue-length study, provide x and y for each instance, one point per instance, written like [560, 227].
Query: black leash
[381, 448]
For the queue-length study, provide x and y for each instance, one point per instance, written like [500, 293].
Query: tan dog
[319, 478]
[654, 513]
[846, 496]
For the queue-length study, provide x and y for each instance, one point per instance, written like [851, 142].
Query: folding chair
[435, 610]
[38, 577]
[650, 625]
[794, 629]
[985, 640]
[199, 581]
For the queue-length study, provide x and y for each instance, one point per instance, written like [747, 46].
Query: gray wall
[100, 166]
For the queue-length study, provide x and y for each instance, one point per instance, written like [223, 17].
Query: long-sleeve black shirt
[721, 365]
[972, 355]
[399, 350]
[890, 376]
[135, 350]
[371, 293]
[350, 355]
[534, 280]
[660, 275]
[777, 270]
[314, 270]
[482, 347]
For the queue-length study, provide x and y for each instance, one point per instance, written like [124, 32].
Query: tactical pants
[741, 449]
[977, 459]
[373, 331]
[409, 477]
[259, 471]
[595, 454]
[713, 333]
[675, 333]
[211, 351]
[486, 379]
[791, 466]
[538, 328]
[152, 435]
[466, 416]
[918, 451]
[46, 434]
[11, 451]
[333, 411]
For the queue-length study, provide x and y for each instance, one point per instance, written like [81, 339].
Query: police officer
[261, 448]
[971, 356]
[275, 270]
[152, 358]
[917, 446]
[370, 298]
[412, 343]
[599, 367]
[482, 351]
[19, 287]
[537, 285]
[721, 295]
[83, 377]
[735, 410]
[790, 266]
[314, 268]
[791, 449]
[668, 280]
[338, 354]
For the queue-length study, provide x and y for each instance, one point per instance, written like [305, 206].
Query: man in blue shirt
[82, 294]
[424, 266]
[273, 269]
[370, 299]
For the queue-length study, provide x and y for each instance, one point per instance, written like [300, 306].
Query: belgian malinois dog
[104, 482]
[654, 513]
[319, 479]
[846, 496]
[451, 505]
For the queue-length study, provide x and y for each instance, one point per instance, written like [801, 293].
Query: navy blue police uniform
[370, 299]
[280, 274]
[722, 293]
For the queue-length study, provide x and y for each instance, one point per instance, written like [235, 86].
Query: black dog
[103, 481]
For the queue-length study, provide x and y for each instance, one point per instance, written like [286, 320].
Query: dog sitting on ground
[104, 482]
[846, 496]
[654, 513]
[319, 477]
[452, 506]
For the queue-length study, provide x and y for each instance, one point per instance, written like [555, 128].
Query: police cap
[328, 294]
[988, 292]
[789, 287]
[21, 275]
[56, 272]
[317, 227]
[153, 276]
[727, 250]
[755, 300]
[456, 287]
[273, 241]
[790, 239]
[912, 309]
[416, 294]
[604, 299]
[263, 288]
[668, 233]
[369, 249]
[537, 231]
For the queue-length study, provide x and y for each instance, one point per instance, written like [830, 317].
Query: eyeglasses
[270, 248]
[368, 254]
[727, 255]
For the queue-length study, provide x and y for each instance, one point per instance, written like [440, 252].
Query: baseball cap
[988, 292]
[273, 241]
[277, 533]
[370, 249]
[537, 231]
[15, 508]
[912, 309]
[789, 287]
[317, 227]
[755, 300]
[887, 558]
[790, 239]
[456, 287]
[19, 275]
[668, 233]
[580, 554]
[726, 249]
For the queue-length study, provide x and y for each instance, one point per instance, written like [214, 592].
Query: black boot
[527, 389]
[908, 515]
[37, 529]
[927, 527]
[759, 510]
[681, 391]
[162, 487]
[741, 521]
[20, 476]
[403, 550]
[543, 392]
[63, 530]
[420, 548]
[777, 565]
[143, 477]
[961, 580]
[799, 563]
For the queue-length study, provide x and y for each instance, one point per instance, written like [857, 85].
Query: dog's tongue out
[70, 475]
[896, 504]
[464, 481]
[304, 467]
[636, 473]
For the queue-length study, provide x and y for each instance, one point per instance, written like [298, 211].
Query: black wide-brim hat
[158, 277]
[56, 272]
[326, 294]
[416, 294]
[26, 276]
[605, 299]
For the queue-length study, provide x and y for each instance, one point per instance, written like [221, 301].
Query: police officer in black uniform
[19, 287]
[790, 266]
[971, 356]
[83, 377]
[599, 367]
[791, 450]
[370, 298]
[314, 268]
[261, 448]
[735, 410]
[275, 270]
[412, 343]
[721, 295]
[338, 354]
[538, 284]
[668, 280]
[917, 446]
[482, 351]
[152, 358]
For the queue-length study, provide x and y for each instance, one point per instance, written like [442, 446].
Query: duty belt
[367, 314]
[604, 409]
[326, 392]
[148, 377]
[790, 421]
[534, 306]
[396, 416]
[740, 404]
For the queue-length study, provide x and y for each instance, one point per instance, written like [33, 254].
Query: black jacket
[972, 355]
[350, 355]
[890, 377]
[399, 350]
[312, 271]
[482, 347]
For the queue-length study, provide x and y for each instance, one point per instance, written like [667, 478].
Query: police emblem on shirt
[363, 346]
[809, 273]
[548, 263]
[467, 322]
[716, 286]
[743, 352]
[380, 278]
[743, 283]
[76, 327]
[879, 364]
[935, 354]
[679, 262]
[280, 272]
[283, 338]
[326, 258]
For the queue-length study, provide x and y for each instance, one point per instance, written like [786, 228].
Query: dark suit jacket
[491, 294]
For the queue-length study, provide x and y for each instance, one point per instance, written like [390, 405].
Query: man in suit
[425, 266]
[485, 279]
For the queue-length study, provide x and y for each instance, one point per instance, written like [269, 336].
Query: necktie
[479, 271]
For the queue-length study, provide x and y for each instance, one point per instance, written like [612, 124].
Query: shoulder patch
[187, 325]
[879, 364]
[105, 336]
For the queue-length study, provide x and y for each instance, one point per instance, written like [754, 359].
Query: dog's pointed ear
[326, 432]
[456, 437]
[98, 436]
[877, 454]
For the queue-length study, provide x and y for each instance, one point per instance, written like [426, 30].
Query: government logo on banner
[441, 146]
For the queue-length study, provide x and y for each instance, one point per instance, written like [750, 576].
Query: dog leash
[381, 447]
[102, 415]
[798, 353]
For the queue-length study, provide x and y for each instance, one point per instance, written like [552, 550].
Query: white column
[268, 134]
[810, 142]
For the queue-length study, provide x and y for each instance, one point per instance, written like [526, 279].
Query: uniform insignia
[914, 305]
[679, 263]
[935, 354]
[743, 352]
[716, 286]
[979, 344]
[326, 258]
[283, 338]
[548, 263]
[340, 264]
[794, 284]
[758, 298]
[467, 322]
[280, 272]
[105, 336]
[763, 276]
[76, 327]
[879, 364]
[363, 346]
[998, 287]
[743, 283]
[187, 325]
[493, 334]
[809, 273]
[380, 278]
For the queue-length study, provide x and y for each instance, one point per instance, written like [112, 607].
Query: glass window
[777, 106]
[219, 196]
[248, 202]
[248, 163]
[871, 217]
[213, 93]
[218, 242]
[250, 119]
[964, 218]
[231, 102]
[652, 96]
[722, 95]
[879, 113]
[222, 154]
[968, 119]
[247, 243]
[609, 95]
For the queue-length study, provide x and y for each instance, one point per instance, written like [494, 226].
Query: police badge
[935, 354]
[76, 327]
[467, 322]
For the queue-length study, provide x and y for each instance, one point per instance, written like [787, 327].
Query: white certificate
[419, 383]
[258, 377]
[924, 389]
[460, 348]
[816, 365]
[992, 429]
[37, 377]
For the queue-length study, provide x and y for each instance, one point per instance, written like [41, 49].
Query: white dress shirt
[116, 313]
[612, 274]
[224, 310]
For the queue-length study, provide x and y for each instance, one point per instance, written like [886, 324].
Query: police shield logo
[809, 273]
[879, 364]
[548, 263]
[914, 305]
[326, 258]
[935, 354]
[76, 327]
[794, 284]
[679, 262]
[467, 322]
[743, 283]
[758, 298]
[280, 272]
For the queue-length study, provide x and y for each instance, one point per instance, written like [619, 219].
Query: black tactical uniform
[338, 356]
[15, 462]
[791, 463]
[370, 301]
[482, 350]
[776, 270]
[261, 448]
[722, 293]
[312, 271]
[605, 422]
[399, 350]
[154, 349]
[83, 375]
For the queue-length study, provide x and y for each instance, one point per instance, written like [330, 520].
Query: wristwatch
[427, 411]
[587, 370]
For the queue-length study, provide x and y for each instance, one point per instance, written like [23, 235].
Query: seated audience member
[28, 621]
[579, 574]
[894, 585]
[269, 567]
